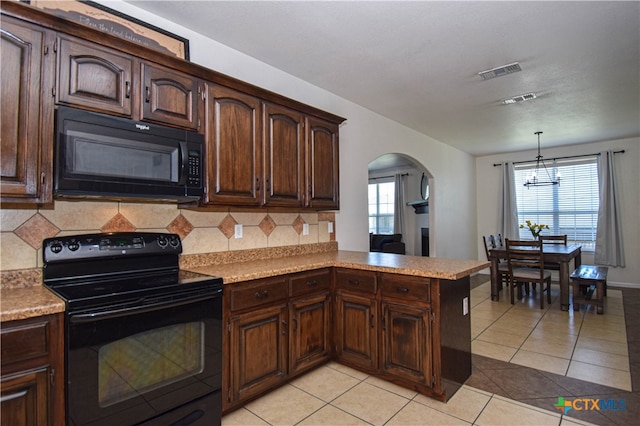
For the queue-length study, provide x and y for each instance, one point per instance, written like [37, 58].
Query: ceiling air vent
[500, 71]
[519, 98]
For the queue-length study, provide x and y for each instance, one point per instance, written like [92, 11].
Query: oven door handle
[115, 313]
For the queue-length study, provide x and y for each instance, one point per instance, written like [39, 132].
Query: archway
[418, 183]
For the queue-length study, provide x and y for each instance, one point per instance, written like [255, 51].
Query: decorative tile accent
[327, 216]
[149, 215]
[81, 215]
[118, 223]
[36, 229]
[227, 226]
[297, 224]
[267, 225]
[181, 226]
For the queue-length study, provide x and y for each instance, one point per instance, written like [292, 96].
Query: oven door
[129, 365]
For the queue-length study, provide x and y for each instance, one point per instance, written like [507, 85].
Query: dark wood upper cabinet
[27, 113]
[263, 149]
[234, 155]
[170, 97]
[95, 77]
[283, 156]
[323, 179]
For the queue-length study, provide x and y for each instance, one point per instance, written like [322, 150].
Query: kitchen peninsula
[401, 318]
[404, 319]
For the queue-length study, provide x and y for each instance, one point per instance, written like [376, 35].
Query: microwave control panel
[194, 166]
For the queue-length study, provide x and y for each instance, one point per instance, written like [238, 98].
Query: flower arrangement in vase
[535, 228]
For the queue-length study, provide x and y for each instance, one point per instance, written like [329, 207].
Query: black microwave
[108, 157]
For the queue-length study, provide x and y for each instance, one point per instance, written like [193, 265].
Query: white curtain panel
[609, 248]
[399, 222]
[508, 213]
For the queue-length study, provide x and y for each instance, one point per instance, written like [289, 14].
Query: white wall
[363, 137]
[488, 181]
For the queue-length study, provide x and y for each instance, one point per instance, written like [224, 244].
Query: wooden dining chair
[553, 239]
[526, 265]
[503, 268]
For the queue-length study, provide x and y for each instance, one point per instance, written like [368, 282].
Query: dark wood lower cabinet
[406, 342]
[25, 399]
[310, 330]
[258, 353]
[412, 331]
[32, 384]
[356, 332]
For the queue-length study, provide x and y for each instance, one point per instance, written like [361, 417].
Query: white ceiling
[417, 62]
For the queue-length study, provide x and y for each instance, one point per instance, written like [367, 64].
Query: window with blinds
[381, 206]
[569, 208]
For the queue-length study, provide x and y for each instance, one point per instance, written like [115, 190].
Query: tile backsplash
[22, 231]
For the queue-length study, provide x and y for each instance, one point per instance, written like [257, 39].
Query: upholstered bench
[588, 275]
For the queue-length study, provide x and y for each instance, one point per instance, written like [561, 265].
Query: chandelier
[535, 179]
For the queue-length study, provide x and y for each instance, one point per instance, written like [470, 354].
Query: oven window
[150, 360]
[100, 155]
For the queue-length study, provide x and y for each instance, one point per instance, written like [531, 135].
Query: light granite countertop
[28, 302]
[431, 267]
[22, 294]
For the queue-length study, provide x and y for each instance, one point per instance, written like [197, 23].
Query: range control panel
[91, 246]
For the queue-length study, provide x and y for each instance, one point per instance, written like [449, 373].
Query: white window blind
[381, 202]
[569, 208]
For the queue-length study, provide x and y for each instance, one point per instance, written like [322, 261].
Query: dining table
[554, 253]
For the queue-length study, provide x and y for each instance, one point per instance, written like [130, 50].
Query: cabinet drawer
[405, 287]
[25, 341]
[360, 281]
[248, 295]
[310, 282]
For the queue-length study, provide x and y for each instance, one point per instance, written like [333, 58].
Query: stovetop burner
[94, 270]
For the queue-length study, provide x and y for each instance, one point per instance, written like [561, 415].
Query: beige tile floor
[337, 395]
[582, 345]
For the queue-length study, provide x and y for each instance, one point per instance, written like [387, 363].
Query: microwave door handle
[184, 163]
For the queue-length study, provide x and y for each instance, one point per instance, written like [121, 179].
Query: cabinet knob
[147, 94]
[312, 283]
[354, 282]
[127, 90]
[262, 294]
[402, 290]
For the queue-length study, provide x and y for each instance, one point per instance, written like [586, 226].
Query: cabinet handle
[13, 396]
[354, 282]
[312, 283]
[402, 290]
[373, 324]
[262, 294]
[295, 325]
[147, 92]
[257, 184]
[284, 329]
[127, 90]
[382, 321]
[268, 185]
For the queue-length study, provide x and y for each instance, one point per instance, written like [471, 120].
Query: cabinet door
[170, 97]
[356, 332]
[309, 332]
[26, 117]
[323, 184]
[258, 358]
[25, 399]
[283, 156]
[93, 76]
[234, 150]
[406, 342]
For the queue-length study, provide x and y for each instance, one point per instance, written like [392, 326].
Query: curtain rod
[559, 158]
[386, 177]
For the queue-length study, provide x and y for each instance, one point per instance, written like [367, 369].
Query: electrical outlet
[465, 306]
[305, 229]
[330, 227]
[238, 231]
